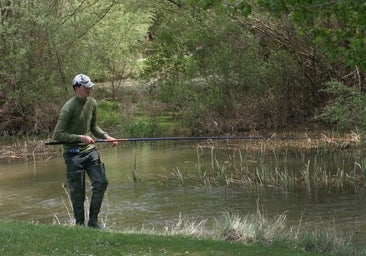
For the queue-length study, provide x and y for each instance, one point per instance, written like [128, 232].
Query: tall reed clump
[236, 169]
[256, 228]
[251, 228]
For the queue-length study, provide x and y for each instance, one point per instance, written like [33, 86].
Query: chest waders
[77, 164]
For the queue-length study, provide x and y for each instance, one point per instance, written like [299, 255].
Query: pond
[154, 184]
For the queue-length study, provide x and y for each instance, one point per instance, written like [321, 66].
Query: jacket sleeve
[60, 133]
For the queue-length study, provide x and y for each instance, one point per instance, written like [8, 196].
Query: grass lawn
[19, 238]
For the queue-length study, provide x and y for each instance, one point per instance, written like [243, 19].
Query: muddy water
[145, 190]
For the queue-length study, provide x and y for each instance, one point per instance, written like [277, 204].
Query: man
[76, 123]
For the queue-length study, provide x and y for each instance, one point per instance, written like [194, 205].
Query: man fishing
[76, 124]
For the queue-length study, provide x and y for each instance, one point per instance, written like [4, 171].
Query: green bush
[346, 107]
[219, 76]
[109, 113]
[139, 129]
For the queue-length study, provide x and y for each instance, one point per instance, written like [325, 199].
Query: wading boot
[77, 195]
[93, 222]
[79, 214]
[99, 185]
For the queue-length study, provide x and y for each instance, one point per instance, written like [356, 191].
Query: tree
[337, 30]
[218, 76]
[336, 27]
[42, 47]
[116, 43]
[329, 38]
[25, 65]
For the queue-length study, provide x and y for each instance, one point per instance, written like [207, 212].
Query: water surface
[145, 192]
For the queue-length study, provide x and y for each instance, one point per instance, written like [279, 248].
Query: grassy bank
[18, 238]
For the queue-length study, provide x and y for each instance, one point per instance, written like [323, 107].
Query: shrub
[347, 107]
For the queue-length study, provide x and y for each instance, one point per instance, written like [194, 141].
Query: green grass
[109, 113]
[19, 238]
[131, 122]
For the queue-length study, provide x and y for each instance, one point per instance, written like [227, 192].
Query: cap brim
[89, 85]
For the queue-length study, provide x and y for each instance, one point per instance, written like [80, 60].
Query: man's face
[82, 92]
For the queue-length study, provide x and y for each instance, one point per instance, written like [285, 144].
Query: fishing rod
[173, 139]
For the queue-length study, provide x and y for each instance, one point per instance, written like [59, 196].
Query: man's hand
[86, 139]
[112, 141]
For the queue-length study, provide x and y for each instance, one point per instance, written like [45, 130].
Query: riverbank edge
[23, 238]
[35, 149]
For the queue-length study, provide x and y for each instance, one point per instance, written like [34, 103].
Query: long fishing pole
[173, 139]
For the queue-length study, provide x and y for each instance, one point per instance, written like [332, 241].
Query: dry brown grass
[293, 141]
[28, 150]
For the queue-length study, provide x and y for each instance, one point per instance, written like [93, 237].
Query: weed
[312, 175]
[68, 207]
[256, 228]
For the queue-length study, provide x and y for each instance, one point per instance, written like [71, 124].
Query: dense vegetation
[214, 66]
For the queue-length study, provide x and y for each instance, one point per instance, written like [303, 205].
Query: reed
[306, 176]
[134, 170]
[69, 219]
[251, 229]
[257, 228]
[327, 241]
[187, 227]
[313, 174]
[362, 167]
[179, 175]
[26, 148]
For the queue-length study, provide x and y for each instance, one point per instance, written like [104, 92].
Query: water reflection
[33, 191]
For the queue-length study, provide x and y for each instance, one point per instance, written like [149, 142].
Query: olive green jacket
[78, 117]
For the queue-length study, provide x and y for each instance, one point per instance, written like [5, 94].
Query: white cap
[82, 80]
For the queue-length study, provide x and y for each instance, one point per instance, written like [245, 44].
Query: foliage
[346, 108]
[148, 128]
[31, 62]
[220, 66]
[44, 44]
[109, 114]
[241, 7]
[116, 43]
[329, 38]
[337, 27]
[113, 116]
[218, 77]
[32, 68]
